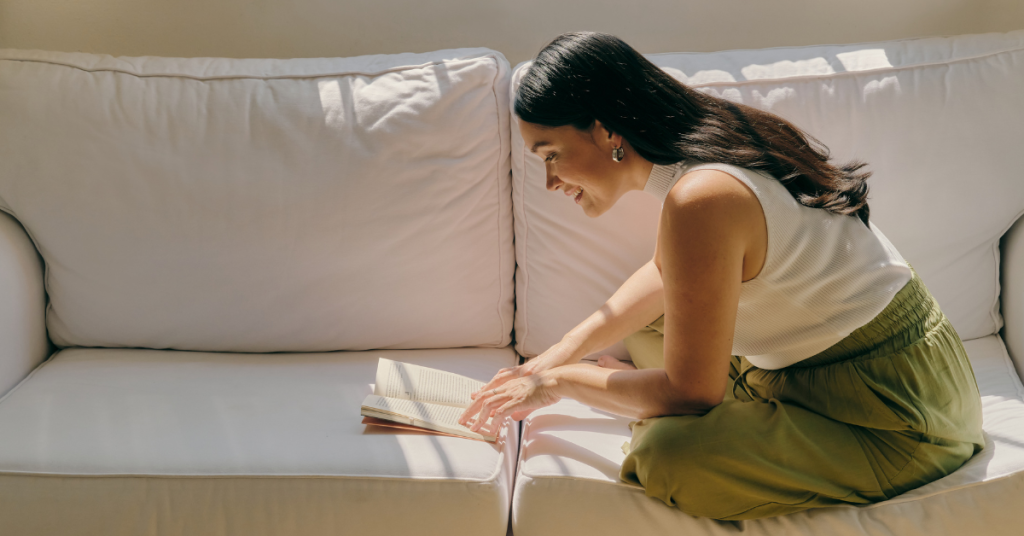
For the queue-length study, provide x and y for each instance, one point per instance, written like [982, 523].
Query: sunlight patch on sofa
[787, 68]
[710, 76]
[773, 97]
[889, 85]
[730, 94]
[864, 60]
[330, 103]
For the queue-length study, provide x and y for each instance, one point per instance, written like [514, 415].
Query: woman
[787, 356]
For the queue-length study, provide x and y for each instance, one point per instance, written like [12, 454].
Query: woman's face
[579, 163]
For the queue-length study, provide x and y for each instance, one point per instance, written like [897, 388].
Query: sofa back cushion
[264, 205]
[940, 121]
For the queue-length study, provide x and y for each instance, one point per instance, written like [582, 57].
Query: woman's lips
[579, 195]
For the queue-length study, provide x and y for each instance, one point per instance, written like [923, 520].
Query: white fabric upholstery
[939, 121]
[23, 343]
[264, 205]
[1012, 296]
[570, 457]
[147, 442]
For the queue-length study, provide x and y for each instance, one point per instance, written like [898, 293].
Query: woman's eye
[550, 157]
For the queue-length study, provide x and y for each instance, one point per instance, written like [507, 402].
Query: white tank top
[824, 275]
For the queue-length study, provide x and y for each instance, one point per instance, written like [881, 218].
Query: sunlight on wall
[328, 28]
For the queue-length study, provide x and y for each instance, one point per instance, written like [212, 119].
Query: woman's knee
[667, 461]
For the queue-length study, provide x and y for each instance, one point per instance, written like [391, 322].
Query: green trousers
[889, 408]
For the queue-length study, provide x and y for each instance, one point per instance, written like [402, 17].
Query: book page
[413, 382]
[424, 414]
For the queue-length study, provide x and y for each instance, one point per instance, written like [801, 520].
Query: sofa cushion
[264, 205]
[120, 441]
[939, 121]
[570, 457]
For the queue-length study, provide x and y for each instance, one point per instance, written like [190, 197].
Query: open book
[422, 397]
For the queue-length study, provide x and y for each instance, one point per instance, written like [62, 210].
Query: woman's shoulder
[715, 187]
[713, 209]
[757, 182]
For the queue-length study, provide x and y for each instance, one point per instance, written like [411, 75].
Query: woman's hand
[559, 354]
[515, 397]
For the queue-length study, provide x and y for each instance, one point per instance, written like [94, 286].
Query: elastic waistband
[908, 318]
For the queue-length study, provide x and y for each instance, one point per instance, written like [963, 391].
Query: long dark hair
[583, 76]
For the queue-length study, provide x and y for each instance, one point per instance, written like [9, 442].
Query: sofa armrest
[23, 341]
[1012, 293]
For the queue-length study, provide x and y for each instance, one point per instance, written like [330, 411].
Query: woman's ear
[604, 137]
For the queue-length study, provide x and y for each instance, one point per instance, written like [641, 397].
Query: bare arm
[635, 304]
[707, 227]
[638, 302]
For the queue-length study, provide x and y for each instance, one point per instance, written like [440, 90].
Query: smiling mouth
[578, 194]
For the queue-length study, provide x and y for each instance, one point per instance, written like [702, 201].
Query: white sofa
[221, 249]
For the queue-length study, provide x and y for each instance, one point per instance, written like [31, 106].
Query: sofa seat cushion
[124, 441]
[570, 457]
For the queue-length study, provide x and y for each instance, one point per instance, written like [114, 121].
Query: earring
[618, 154]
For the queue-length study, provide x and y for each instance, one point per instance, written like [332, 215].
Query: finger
[472, 410]
[480, 416]
[498, 380]
[486, 409]
[505, 409]
[498, 415]
[494, 426]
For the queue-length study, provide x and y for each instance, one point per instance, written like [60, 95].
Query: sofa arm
[1012, 293]
[23, 341]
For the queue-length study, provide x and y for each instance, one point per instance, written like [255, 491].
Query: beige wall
[307, 28]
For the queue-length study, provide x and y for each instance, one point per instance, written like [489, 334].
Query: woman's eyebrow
[539, 144]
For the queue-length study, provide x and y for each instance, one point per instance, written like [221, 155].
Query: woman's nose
[553, 181]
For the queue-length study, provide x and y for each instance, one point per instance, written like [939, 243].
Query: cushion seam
[191, 476]
[526, 232]
[1018, 387]
[247, 76]
[24, 380]
[501, 264]
[995, 312]
[899, 499]
[493, 477]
